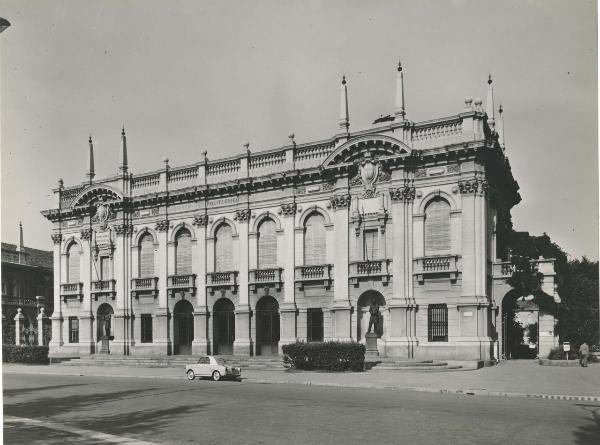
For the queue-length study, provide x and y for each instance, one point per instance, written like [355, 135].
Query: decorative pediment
[366, 147]
[96, 194]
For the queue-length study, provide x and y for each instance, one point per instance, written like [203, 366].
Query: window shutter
[105, 268]
[223, 249]
[437, 228]
[183, 256]
[371, 245]
[314, 240]
[73, 264]
[267, 244]
[146, 257]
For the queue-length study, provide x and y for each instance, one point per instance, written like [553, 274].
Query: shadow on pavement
[589, 433]
[21, 391]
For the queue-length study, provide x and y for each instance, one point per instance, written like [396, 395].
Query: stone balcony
[221, 280]
[317, 274]
[449, 265]
[144, 286]
[372, 269]
[265, 277]
[502, 270]
[181, 284]
[103, 287]
[71, 291]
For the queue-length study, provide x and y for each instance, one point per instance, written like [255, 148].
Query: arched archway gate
[267, 326]
[183, 326]
[223, 327]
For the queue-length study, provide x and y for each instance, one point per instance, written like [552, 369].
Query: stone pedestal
[371, 344]
[42, 321]
[19, 325]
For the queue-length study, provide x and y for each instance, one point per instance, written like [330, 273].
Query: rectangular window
[105, 268]
[146, 320]
[314, 323]
[73, 330]
[370, 245]
[437, 322]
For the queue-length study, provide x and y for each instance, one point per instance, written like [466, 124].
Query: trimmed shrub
[559, 354]
[25, 354]
[328, 356]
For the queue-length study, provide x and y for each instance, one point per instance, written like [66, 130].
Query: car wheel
[216, 376]
[191, 375]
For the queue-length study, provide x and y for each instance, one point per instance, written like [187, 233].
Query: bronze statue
[376, 319]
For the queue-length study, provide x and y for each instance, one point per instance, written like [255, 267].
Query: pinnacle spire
[489, 105]
[344, 122]
[399, 110]
[123, 161]
[501, 126]
[21, 244]
[90, 173]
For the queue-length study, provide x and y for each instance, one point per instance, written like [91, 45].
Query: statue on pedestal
[376, 319]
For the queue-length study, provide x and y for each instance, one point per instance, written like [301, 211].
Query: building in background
[244, 254]
[27, 283]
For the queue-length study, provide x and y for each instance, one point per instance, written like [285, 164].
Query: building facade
[244, 254]
[27, 284]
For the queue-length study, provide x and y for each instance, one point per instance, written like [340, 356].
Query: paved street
[47, 409]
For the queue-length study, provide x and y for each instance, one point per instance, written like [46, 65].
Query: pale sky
[184, 76]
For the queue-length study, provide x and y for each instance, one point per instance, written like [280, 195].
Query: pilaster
[57, 339]
[342, 310]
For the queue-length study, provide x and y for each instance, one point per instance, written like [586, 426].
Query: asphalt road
[44, 409]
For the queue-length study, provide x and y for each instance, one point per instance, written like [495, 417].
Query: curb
[470, 392]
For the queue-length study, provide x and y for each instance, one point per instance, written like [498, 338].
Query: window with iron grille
[73, 330]
[314, 324]
[146, 320]
[437, 322]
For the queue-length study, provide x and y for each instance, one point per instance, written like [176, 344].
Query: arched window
[73, 263]
[314, 239]
[183, 252]
[437, 227]
[146, 256]
[223, 248]
[267, 244]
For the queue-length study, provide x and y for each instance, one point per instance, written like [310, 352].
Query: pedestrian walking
[584, 352]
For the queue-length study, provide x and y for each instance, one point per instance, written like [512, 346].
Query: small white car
[213, 367]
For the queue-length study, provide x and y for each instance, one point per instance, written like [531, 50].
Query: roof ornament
[501, 127]
[489, 106]
[399, 111]
[90, 173]
[344, 122]
[123, 161]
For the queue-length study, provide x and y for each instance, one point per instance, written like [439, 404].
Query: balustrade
[369, 269]
[438, 264]
[314, 273]
[103, 287]
[144, 286]
[265, 276]
[71, 291]
[221, 280]
[181, 283]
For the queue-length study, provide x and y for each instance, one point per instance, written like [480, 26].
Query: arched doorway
[267, 326]
[104, 327]
[520, 317]
[363, 304]
[223, 327]
[183, 325]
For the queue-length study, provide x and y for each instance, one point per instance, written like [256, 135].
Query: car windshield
[220, 361]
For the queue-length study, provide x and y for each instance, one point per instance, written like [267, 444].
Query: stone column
[57, 339]
[19, 325]
[161, 338]
[42, 320]
[86, 336]
[121, 317]
[201, 342]
[289, 332]
[341, 309]
[243, 343]
[401, 339]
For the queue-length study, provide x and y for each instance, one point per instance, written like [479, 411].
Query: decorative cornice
[86, 234]
[473, 187]
[162, 225]
[200, 220]
[288, 209]
[340, 201]
[406, 193]
[56, 238]
[242, 215]
[123, 229]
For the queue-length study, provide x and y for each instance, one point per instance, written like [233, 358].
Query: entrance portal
[104, 327]
[520, 317]
[223, 327]
[267, 326]
[183, 325]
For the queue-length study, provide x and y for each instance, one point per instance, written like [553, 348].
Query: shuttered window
[105, 268]
[73, 264]
[183, 253]
[223, 249]
[370, 244]
[267, 244]
[314, 240]
[437, 228]
[146, 256]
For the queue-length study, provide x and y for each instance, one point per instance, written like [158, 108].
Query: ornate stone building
[244, 254]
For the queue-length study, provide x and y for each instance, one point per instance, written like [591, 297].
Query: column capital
[288, 209]
[339, 202]
[403, 194]
[162, 225]
[475, 186]
[242, 215]
[56, 238]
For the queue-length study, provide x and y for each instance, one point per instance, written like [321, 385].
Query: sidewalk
[510, 379]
